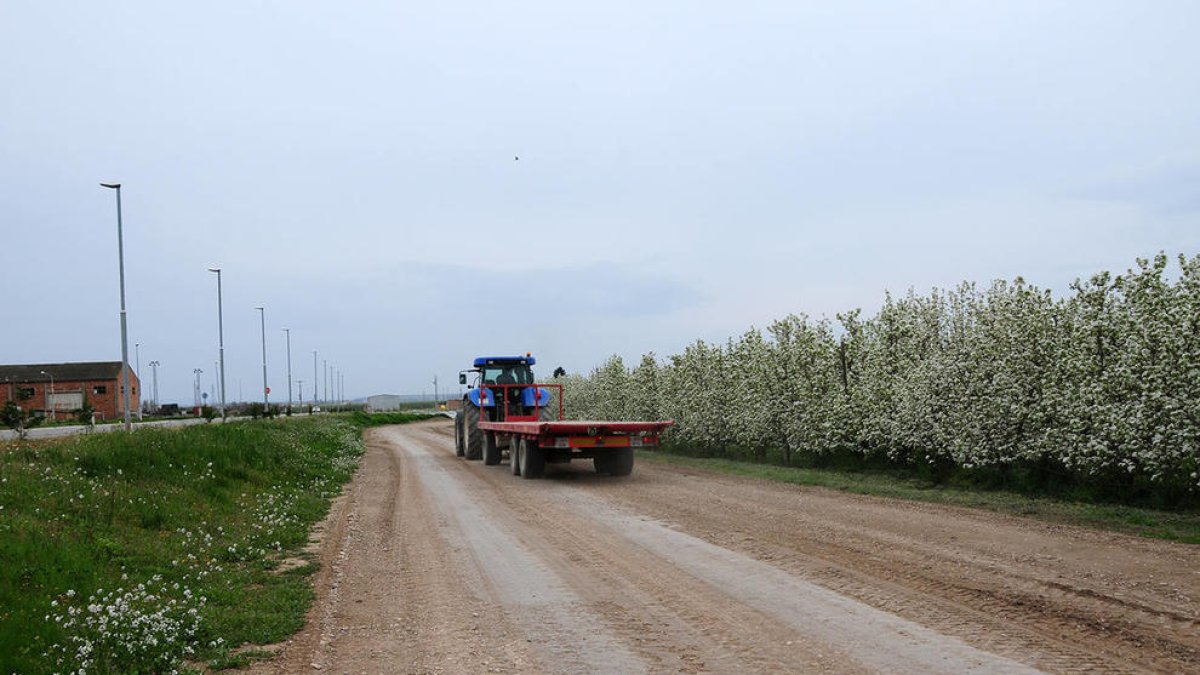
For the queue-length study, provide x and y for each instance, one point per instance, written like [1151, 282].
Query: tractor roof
[526, 360]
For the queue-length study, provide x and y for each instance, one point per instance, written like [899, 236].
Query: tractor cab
[505, 388]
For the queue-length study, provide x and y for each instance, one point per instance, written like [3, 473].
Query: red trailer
[526, 418]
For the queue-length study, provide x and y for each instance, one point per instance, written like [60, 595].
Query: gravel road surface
[437, 565]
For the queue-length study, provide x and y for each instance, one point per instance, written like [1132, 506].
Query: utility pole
[325, 367]
[300, 384]
[315, 381]
[435, 389]
[289, 358]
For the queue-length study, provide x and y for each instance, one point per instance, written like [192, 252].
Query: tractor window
[507, 375]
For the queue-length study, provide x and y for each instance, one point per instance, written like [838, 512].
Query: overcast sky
[687, 170]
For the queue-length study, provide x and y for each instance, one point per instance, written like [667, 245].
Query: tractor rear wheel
[514, 454]
[533, 459]
[472, 435]
[458, 434]
[491, 451]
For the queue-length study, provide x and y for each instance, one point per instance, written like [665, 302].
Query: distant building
[59, 389]
[383, 402]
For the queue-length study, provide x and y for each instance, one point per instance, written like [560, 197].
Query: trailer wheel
[472, 435]
[602, 462]
[514, 454]
[617, 463]
[491, 451]
[533, 459]
[458, 434]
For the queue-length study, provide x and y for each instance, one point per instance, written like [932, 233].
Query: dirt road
[434, 564]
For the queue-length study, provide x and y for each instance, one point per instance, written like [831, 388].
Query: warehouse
[60, 389]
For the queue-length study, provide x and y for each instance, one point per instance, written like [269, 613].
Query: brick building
[59, 389]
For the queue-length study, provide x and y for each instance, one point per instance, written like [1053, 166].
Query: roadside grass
[365, 419]
[137, 552]
[1181, 526]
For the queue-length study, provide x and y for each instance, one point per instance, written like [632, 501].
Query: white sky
[687, 170]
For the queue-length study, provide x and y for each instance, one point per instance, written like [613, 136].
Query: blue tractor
[503, 391]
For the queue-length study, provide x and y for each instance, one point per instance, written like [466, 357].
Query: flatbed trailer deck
[582, 433]
[532, 443]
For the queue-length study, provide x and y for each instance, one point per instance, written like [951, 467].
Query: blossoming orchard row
[1103, 383]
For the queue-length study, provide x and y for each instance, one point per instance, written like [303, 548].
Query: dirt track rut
[433, 564]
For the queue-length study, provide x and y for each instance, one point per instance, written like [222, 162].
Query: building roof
[62, 372]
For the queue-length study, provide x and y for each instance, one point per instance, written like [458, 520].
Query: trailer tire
[472, 435]
[514, 454]
[491, 451]
[617, 463]
[458, 435]
[533, 459]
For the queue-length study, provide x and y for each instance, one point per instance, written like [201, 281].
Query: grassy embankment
[1068, 505]
[135, 553]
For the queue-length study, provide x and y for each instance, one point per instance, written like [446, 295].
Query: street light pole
[325, 367]
[316, 380]
[300, 384]
[196, 392]
[289, 357]
[154, 368]
[220, 336]
[50, 396]
[262, 315]
[124, 330]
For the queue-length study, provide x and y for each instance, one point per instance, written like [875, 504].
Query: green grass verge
[135, 552]
[365, 419]
[1174, 526]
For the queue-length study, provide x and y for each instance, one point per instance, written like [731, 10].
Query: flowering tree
[1104, 383]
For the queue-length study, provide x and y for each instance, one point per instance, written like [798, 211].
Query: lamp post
[137, 350]
[49, 396]
[154, 368]
[124, 331]
[220, 336]
[325, 367]
[300, 384]
[289, 358]
[262, 315]
[196, 388]
[315, 380]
